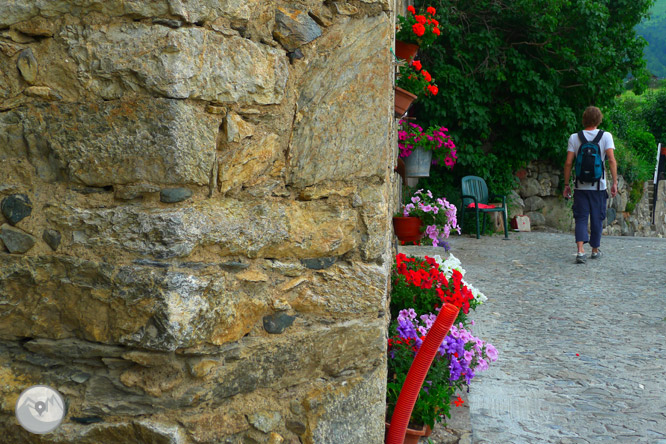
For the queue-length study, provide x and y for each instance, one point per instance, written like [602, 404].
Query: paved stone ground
[582, 348]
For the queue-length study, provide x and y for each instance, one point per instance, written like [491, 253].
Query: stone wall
[195, 227]
[539, 196]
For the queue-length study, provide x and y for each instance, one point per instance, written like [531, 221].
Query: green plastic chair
[475, 190]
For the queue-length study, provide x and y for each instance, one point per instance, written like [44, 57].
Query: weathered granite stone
[235, 227]
[134, 305]
[52, 238]
[536, 219]
[319, 263]
[134, 191]
[529, 187]
[277, 323]
[42, 92]
[610, 215]
[347, 415]
[173, 195]
[92, 432]
[38, 26]
[345, 8]
[247, 163]
[16, 241]
[294, 55]
[295, 426]
[16, 207]
[265, 421]
[294, 28]
[236, 129]
[178, 63]
[27, 65]
[534, 203]
[193, 11]
[168, 22]
[354, 148]
[116, 142]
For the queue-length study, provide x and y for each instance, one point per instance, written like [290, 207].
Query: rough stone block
[16, 241]
[115, 142]
[156, 308]
[339, 135]
[16, 207]
[350, 414]
[178, 63]
[294, 28]
[234, 227]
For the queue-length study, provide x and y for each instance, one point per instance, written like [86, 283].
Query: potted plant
[420, 287]
[415, 31]
[460, 356]
[438, 216]
[407, 228]
[418, 147]
[413, 82]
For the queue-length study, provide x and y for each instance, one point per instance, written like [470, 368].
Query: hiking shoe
[580, 258]
[596, 255]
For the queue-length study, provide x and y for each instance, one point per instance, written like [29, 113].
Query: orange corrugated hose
[417, 373]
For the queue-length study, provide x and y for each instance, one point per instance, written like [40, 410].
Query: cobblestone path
[582, 348]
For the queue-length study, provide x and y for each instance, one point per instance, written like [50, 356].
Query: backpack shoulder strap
[581, 137]
[598, 138]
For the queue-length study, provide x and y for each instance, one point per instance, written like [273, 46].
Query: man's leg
[597, 216]
[581, 213]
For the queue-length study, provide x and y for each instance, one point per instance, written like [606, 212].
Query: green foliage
[631, 166]
[433, 402]
[515, 75]
[655, 115]
[642, 143]
[635, 195]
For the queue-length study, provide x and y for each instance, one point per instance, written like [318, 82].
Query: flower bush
[420, 286]
[412, 136]
[419, 29]
[423, 285]
[413, 78]
[436, 214]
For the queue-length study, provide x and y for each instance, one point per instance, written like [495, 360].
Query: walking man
[590, 193]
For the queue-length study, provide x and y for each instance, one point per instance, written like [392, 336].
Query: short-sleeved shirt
[606, 143]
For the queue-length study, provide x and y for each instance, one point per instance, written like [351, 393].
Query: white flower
[453, 263]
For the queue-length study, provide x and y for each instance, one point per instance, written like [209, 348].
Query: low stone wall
[539, 197]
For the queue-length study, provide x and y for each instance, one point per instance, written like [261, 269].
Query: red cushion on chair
[481, 206]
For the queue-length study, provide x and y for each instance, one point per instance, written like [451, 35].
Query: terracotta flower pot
[412, 436]
[403, 100]
[408, 229]
[405, 51]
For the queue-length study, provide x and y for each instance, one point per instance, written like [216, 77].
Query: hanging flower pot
[403, 100]
[407, 229]
[417, 164]
[405, 51]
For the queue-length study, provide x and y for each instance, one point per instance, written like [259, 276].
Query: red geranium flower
[420, 19]
[426, 75]
[436, 31]
[430, 10]
[433, 89]
[418, 29]
[417, 65]
[411, 9]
